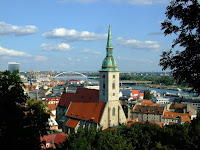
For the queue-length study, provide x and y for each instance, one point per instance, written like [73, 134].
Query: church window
[113, 112]
[113, 85]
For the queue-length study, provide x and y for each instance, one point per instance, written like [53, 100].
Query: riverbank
[165, 87]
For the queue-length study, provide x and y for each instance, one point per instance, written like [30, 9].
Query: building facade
[13, 66]
[99, 108]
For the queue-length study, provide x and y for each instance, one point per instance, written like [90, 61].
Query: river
[134, 87]
[142, 88]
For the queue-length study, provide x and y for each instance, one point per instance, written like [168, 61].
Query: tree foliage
[147, 94]
[21, 124]
[138, 136]
[183, 19]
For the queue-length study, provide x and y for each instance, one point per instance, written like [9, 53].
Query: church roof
[65, 99]
[86, 95]
[86, 106]
[72, 123]
[86, 111]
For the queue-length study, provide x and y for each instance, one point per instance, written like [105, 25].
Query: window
[47, 145]
[113, 76]
[113, 111]
[104, 76]
[113, 94]
[104, 85]
[113, 86]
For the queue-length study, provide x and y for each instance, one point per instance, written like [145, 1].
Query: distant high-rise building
[13, 66]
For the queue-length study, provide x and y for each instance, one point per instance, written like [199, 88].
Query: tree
[147, 94]
[185, 64]
[21, 125]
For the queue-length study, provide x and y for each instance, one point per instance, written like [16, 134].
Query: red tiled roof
[171, 115]
[178, 106]
[53, 139]
[52, 106]
[148, 109]
[86, 95]
[135, 92]
[51, 99]
[185, 119]
[86, 111]
[161, 124]
[65, 99]
[145, 102]
[72, 123]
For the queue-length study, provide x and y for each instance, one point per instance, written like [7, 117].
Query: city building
[145, 110]
[13, 66]
[97, 108]
[50, 141]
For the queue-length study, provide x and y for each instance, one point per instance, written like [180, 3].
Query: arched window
[113, 112]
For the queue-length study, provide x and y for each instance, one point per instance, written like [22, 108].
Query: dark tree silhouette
[183, 19]
[21, 124]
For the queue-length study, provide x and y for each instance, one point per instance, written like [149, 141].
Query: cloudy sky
[71, 35]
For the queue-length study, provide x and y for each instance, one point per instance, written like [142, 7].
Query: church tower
[113, 114]
[109, 75]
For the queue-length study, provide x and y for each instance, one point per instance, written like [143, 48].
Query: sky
[71, 35]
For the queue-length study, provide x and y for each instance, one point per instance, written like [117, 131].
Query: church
[100, 108]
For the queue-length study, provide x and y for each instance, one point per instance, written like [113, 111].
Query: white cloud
[58, 47]
[91, 52]
[8, 29]
[40, 58]
[136, 44]
[134, 59]
[10, 52]
[142, 2]
[73, 60]
[73, 35]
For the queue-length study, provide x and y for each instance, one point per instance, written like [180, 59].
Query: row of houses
[145, 110]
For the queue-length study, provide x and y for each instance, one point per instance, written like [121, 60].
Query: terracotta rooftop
[171, 115]
[145, 102]
[53, 139]
[52, 106]
[148, 109]
[86, 111]
[51, 99]
[65, 99]
[86, 95]
[85, 105]
[185, 119]
[72, 123]
[161, 124]
[178, 106]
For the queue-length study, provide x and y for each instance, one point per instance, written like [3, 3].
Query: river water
[162, 91]
[134, 87]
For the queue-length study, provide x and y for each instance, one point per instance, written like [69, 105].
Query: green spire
[109, 63]
[109, 40]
